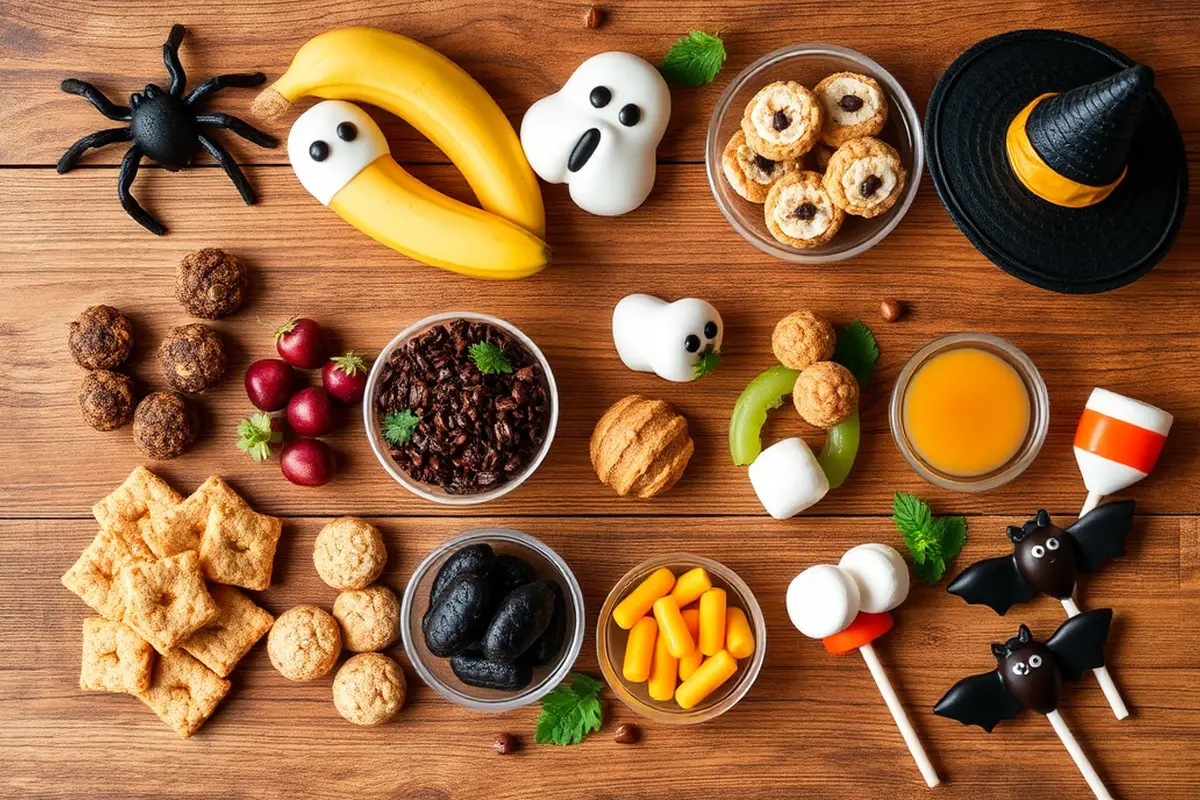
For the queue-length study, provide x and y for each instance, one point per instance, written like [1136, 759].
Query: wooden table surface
[812, 723]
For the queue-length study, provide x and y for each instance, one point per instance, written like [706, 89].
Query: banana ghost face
[668, 339]
[598, 134]
[330, 144]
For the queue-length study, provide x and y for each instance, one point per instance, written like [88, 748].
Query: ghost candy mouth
[583, 149]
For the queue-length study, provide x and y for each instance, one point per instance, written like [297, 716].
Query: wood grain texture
[813, 724]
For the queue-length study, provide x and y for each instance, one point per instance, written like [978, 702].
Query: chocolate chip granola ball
[192, 358]
[304, 643]
[825, 394]
[349, 553]
[211, 283]
[101, 338]
[369, 689]
[164, 425]
[106, 399]
[370, 618]
[801, 339]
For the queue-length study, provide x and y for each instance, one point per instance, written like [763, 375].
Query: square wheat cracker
[239, 546]
[182, 526]
[134, 506]
[183, 692]
[166, 601]
[115, 659]
[227, 639]
[94, 576]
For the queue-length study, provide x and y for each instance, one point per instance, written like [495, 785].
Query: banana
[431, 92]
[342, 158]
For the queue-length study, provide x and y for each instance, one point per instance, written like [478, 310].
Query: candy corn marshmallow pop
[847, 607]
[1117, 443]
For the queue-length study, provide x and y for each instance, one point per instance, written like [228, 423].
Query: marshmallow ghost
[331, 143]
[668, 339]
[599, 132]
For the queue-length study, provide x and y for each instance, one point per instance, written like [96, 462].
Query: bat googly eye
[1020, 668]
[1052, 543]
[1038, 551]
[710, 330]
[692, 343]
[1035, 661]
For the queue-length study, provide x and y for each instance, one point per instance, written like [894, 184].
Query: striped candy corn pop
[1117, 443]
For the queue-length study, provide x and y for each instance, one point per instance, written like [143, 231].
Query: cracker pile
[161, 574]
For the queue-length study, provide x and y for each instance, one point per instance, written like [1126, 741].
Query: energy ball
[370, 618]
[106, 399]
[369, 689]
[801, 339]
[349, 553]
[164, 425]
[304, 643]
[211, 283]
[192, 358]
[825, 394]
[101, 338]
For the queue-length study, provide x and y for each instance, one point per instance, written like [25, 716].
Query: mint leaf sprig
[695, 59]
[570, 711]
[707, 363]
[256, 435]
[857, 351]
[398, 426]
[489, 358]
[933, 542]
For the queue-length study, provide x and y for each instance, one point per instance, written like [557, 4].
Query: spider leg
[171, 59]
[97, 139]
[238, 126]
[129, 171]
[94, 96]
[222, 157]
[214, 85]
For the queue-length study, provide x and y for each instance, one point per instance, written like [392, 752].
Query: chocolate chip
[629, 115]
[764, 163]
[627, 734]
[850, 102]
[780, 121]
[600, 96]
[870, 185]
[691, 343]
[347, 131]
[805, 211]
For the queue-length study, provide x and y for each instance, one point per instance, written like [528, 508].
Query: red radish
[307, 462]
[311, 412]
[269, 384]
[300, 343]
[345, 377]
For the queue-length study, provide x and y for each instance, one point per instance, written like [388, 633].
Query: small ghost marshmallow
[788, 478]
[668, 339]
[331, 143]
[599, 132]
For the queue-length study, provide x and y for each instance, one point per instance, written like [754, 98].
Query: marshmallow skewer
[1078, 756]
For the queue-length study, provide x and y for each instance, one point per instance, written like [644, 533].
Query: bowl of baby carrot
[681, 639]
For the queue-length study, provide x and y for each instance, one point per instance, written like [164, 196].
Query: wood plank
[812, 723]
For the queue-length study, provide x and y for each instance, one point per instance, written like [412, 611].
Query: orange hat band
[1039, 177]
[1118, 440]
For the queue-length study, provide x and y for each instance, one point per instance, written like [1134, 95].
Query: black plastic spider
[164, 126]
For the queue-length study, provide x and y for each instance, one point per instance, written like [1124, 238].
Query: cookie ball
[349, 553]
[101, 338]
[211, 283]
[369, 689]
[825, 394]
[304, 643]
[801, 339]
[106, 399]
[640, 447]
[370, 618]
[164, 425]
[192, 358]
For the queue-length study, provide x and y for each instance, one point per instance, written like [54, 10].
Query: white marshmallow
[822, 600]
[788, 478]
[881, 575]
[343, 159]
[581, 135]
[652, 335]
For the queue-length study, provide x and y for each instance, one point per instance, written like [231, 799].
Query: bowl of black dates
[460, 408]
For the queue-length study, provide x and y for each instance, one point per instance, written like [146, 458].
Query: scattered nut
[891, 310]
[505, 743]
[594, 18]
[627, 734]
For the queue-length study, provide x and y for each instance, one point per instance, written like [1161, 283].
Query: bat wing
[1078, 644]
[993, 582]
[978, 700]
[1100, 533]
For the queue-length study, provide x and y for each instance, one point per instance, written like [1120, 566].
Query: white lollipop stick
[898, 714]
[1106, 682]
[1089, 772]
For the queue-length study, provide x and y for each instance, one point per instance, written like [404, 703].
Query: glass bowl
[1039, 421]
[808, 64]
[371, 415]
[436, 672]
[610, 643]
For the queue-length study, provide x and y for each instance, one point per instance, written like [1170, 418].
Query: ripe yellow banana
[431, 92]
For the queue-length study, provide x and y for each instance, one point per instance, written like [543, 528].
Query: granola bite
[751, 175]
[825, 394]
[370, 618]
[115, 659]
[801, 339]
[106, 399]
[211, 283]
[782, 121]
[799, 211]
[101, 338]
[164, 425]
[349, 553]
[855, 105]
[304, 643]
[223, 642]
[369, 689]
[865, 177]
[183, 692]
[192, 358]
[166, 601]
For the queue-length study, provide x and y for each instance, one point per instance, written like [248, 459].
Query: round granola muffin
[349, 553]
[164, 425]
[782, 121]
[192, 358]
[304, 643]
[801, 339]
[800, 212]
[369, 689]
[211, 283]
[825, 394]
[370, 618]
[865, 177]
[855, 105]
[751, 175]
[106, 399]
[101, 338]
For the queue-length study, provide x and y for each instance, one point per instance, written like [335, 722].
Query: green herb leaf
[398, 426]
[694, 59]
[570, 711]
[255, 436]
[351, 363]
[933, 542]
[709, 360]
[857, 351]
[489, 358]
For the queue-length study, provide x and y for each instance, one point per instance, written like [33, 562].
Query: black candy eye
[629, 115]
[318, 151]
[710, 330]
[600, 96]
[691, 343]
[347, 132]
